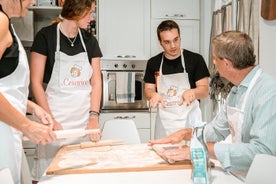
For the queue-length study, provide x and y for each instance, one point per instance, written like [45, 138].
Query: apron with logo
[68, 95]
[17, 96]
[174, 117]
[235, 115]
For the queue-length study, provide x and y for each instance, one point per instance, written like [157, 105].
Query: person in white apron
[174, 117]
[248, 114]
[61, 89]
[70, 93]
[14, 89]
[173, 84]
[19, 78]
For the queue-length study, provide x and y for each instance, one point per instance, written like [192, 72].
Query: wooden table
[135, 164]
[120, 158]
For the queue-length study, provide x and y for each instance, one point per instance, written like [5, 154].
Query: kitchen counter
[141, 177]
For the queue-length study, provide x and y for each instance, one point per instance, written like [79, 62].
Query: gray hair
[235, 46]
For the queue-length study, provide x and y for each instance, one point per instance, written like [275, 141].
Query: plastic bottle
[200, 156]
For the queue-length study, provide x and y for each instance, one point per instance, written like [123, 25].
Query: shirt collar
[245, 82]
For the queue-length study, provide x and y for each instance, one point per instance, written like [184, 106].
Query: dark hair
[165, 26]
[235, 46]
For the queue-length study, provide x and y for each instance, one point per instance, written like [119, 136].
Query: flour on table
[139, 155]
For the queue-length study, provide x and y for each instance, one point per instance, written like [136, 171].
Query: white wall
[206, 22]
[268, 46]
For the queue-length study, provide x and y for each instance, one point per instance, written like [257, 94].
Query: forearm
[201, 91]
[96, 95]
[202, 88]
[40, 97]
[149, 90]
[11, 116]
[211, 151]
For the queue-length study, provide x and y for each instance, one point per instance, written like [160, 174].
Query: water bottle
[200, 156]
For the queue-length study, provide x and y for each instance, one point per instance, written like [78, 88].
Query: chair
[6, 176]
[262, 170]
[123, 129]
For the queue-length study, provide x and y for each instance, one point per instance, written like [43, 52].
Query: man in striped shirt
[249, 114]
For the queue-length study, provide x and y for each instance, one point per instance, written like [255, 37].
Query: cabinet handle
[126, 56]
[176, 15]
[124, 117]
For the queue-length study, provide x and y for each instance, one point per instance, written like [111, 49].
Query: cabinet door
[189, 33]
[124, 28]
[175, 9]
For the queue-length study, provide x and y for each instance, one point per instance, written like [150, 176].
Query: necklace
[74, 39]
[72, 42]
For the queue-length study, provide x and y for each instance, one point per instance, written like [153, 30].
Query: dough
[100, 148]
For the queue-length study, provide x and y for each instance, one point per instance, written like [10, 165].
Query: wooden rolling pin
[95, 144]
[63, 134]
[101, 143]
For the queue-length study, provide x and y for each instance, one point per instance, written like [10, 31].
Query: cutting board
[73, 159]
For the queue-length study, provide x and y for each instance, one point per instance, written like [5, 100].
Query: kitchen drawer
[141, 119]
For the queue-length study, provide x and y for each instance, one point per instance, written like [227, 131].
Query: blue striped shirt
[258, 128]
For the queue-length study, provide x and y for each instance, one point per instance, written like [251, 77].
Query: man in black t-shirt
[174, 79]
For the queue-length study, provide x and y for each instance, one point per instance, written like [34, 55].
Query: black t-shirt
[46, 40]
[10, 58]
[195, 66]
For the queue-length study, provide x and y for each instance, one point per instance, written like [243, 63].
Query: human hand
[174, 138]
[177, 137]
[188, 96]
[155, 100]
[173, 155]
[38, 133]
[56, 125]
[42, 116]
[94, 124]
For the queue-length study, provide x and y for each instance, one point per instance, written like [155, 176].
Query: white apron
[15, 88]
[68, 95]
[235, 116]
[174, 117]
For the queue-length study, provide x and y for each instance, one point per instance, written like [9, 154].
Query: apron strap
[251, 84]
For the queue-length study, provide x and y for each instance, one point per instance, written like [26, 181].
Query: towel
[125, 87]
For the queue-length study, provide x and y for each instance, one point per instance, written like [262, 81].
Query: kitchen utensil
[101, 143]
[63, 134]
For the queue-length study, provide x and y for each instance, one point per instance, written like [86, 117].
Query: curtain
[241, 15]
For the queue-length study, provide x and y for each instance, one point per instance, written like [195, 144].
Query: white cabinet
[123, 28]
[175, 9]
[141, 119]
[185, 13]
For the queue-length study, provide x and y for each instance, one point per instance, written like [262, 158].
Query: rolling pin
[100, 143]
[90, 144]
[63, 134]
